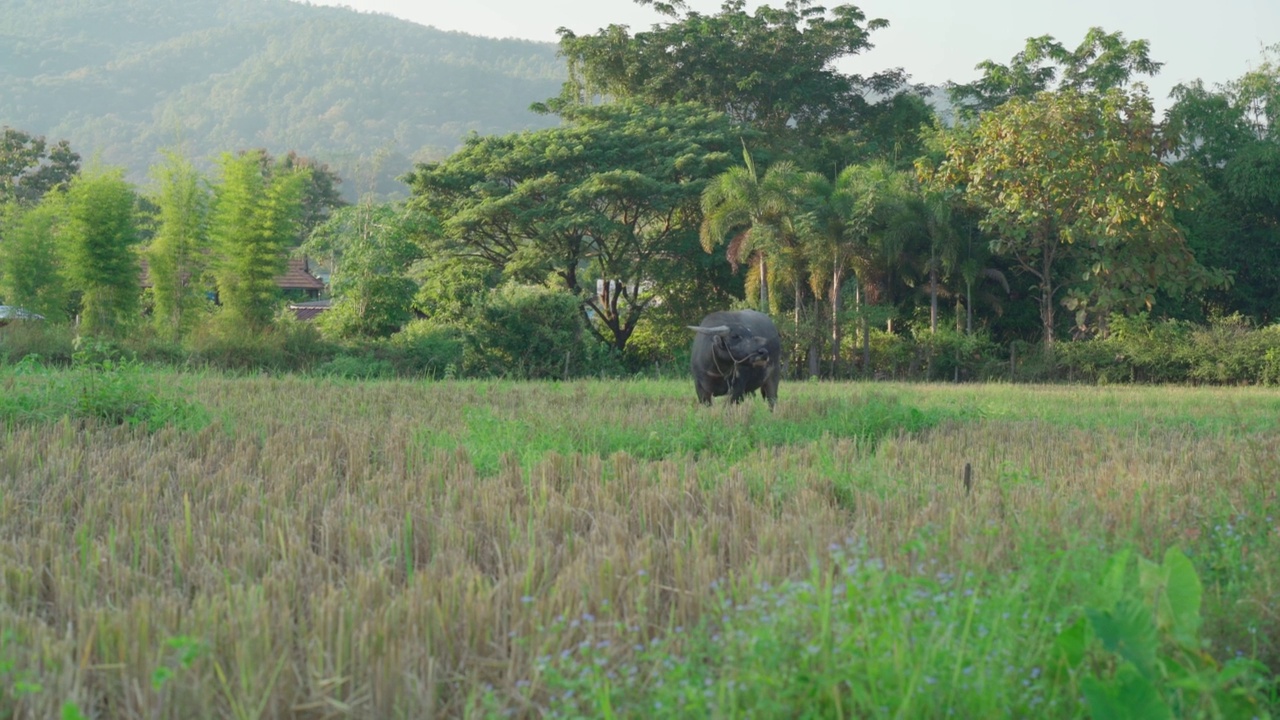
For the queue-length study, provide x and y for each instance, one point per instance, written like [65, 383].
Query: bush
[51, 342]
[356, 368]
[951, 355]
[301, 343]
[525, 331]
[222, 343]
[286, 345]
[1230, 351]
[99, 387]
[425, 347]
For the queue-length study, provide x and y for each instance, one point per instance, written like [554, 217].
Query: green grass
[330, 548]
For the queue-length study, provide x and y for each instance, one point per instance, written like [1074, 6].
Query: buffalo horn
[709, 330]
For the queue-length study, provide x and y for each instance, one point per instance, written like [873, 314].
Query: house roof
[297, 276]
[310, 310]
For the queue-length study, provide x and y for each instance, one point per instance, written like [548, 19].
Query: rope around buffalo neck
[736, 361]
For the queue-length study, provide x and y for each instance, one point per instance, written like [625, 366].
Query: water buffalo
[736, 353]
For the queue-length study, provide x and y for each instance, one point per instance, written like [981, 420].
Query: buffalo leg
[770, 390]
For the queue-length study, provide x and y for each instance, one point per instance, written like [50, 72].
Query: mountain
[368, 94]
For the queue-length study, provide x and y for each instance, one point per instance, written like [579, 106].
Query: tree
[1102, 61]
[773, 70]
[603, 207]
[98, 240]
[753, 211]
[252, 225]
[29, 168]
[30, 264]
[1071, 189]
[320, 196]
[371, 248]
[1226, 143]
[178, 254]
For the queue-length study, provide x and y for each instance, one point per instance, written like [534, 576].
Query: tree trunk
[764, 286]
[835, 322]
[968, 308]
[1046, 302]
[933, 299]
[866, 332]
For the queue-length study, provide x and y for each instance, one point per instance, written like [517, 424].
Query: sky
[933, 40]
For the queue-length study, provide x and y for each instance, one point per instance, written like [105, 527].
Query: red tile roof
[310, 310]
[297, 276]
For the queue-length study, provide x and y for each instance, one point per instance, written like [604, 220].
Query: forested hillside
[367, 94]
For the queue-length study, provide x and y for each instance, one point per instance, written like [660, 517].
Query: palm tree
[869, 232]
[753, 212]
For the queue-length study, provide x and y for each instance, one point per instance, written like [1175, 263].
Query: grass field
[204, 546]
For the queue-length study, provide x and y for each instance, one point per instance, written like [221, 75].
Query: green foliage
[951, 355]
[450, 285]
[286, 345]
[524, 331]
[755, 212]
[370, 248]
[1140, 654]
[178, 254]
[1224, 141]
[773, 69]
[1072, 192]
[30, 169]
[1227, 351]
[356, 368]
[611, 196]
[425, 347]
[31, 268]
[253, 223]
[101, 387]
[49, 342]
[1103, 61]
[97, 240]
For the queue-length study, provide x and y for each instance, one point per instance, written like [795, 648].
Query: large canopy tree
[1226, 139]
[773, 69]
[30, 168]
[1102, 61]
[606, 207]
[1071, 189]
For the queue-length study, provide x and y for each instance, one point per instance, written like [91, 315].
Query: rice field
[291, 547]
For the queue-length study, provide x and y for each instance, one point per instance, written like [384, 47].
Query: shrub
[425, 347]
[1231, 351]
[951, 355]
[100, 387]
[356, 368]
[51, 342]
[524, 331]
[226, 344]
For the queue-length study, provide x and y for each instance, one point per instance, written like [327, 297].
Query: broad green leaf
[1183, 592]
[1072, 642]
[1129, 631]
[1127, 696]
[1114, 580]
